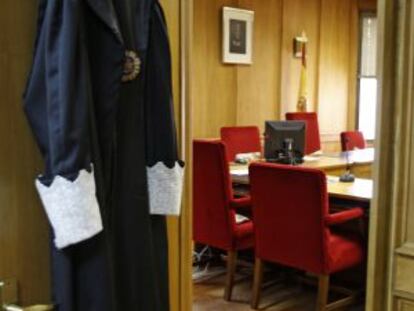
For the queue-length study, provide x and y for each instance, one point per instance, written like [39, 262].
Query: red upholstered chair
[352, 140]
[214, 207]
[312, 137]
[240, 139]
[293, 226]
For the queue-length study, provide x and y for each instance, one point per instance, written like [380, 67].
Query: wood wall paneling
[334, 66]
[226, 94]
[367, 5]
[243, 95]
[258, 85]
[298, 16]
[214, 84]
[404, 305]
[24, 237]
[354, 46]
[404, 281]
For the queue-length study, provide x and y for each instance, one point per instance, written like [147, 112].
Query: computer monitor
[280, 136]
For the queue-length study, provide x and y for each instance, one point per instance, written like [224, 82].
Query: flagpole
[303, 96]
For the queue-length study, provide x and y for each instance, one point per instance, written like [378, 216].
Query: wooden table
[336, 163]
[358, 191]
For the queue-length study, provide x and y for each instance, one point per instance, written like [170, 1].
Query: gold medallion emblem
[132, 66]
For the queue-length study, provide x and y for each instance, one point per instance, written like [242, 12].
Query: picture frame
[237, 36]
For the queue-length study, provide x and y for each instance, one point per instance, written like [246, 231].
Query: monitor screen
[277, 133]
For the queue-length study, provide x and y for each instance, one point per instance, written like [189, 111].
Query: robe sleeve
[56, 102]
[165, 171]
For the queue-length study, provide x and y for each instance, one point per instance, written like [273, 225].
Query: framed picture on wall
[237, 36]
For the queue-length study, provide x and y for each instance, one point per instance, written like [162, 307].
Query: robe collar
[104, 9]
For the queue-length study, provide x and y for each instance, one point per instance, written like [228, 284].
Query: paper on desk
[241, 219]
[317, 153]
[240, 172]
[332, 179]
[310, 159]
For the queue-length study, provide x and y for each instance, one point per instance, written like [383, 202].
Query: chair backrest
[213, 220]
[240, 139]
[289, 206]
[313, 139]
[351, 140]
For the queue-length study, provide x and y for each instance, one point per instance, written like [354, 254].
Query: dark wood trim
[257, 283]
[231, 270]
[367, 5]
[323, 291]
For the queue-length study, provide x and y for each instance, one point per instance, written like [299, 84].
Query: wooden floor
[276, 295]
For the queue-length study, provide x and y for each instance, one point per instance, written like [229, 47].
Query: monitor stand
[347, 177]
[283, 159]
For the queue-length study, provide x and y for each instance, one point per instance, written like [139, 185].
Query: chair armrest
[344, 216]
[242, 202]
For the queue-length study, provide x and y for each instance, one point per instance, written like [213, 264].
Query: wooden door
[391, 259]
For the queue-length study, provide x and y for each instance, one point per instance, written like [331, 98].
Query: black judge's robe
[98, 99]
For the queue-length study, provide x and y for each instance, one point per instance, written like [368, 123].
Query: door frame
[185, 285]
[378, 272]
[392, 181]
[385, 166]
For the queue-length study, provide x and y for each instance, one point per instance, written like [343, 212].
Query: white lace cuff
[165, 187]
[72, 208]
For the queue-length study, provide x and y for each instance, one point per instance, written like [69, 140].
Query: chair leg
[323, 291]
[231, 269]
[257, 283]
